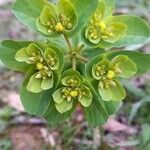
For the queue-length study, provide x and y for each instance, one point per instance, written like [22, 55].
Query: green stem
[82, 58]
[80, 47]
[68, 43]
[74, 63]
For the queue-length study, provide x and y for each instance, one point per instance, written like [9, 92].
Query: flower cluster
[57, 19]
[69, 65]
[73, 89]
[101, 29]
[107, 73]
[44, 62]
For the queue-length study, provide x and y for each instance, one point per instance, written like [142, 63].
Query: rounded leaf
[57, 97]
[47, 83]
[64, 106]
[118, 29]
[34, 84]
[66, 8]
[49, 52]
[22, 55]
[103, 64]
[112, 93]
[86, 99]
[71, 74]
[127, 66]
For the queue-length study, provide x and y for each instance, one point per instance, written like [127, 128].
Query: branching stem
[82, 58]
[68, 43]
[74, 63]
[80, 47]
[72, 51]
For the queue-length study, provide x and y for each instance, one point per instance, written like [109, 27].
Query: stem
[74, 64]
[68, 43]
[82, 58]
[80, 47]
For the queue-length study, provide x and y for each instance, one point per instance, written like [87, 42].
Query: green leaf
[71, 72]
[111, 107]
[109, 8]
[50, 52]
[57, 96]
[25, 53]
[60, 56]
[22, 56]
[34, 84]
[70, 77]
[103, 62]
[47, 83]
[48, 13]
[89, 38]
[100, 11]
[35, 103]
[64, 106]
[66, 8]
[127, 66]
[53, 116]
[137, 31]
[92, 52]
[141, 60]
[8, 50]
[113, 93]
[118, 31]
[87, 99]
[84, 10]
[96, 113]
[28, 11]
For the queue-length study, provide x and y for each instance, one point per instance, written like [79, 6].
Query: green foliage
[73, 69]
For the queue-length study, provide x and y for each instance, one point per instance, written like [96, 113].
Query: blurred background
[128, 129]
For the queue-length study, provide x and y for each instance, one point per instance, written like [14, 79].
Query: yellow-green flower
[44, 62]
[100, 29]
[107, 74]
[72, 90]
[57, 19]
